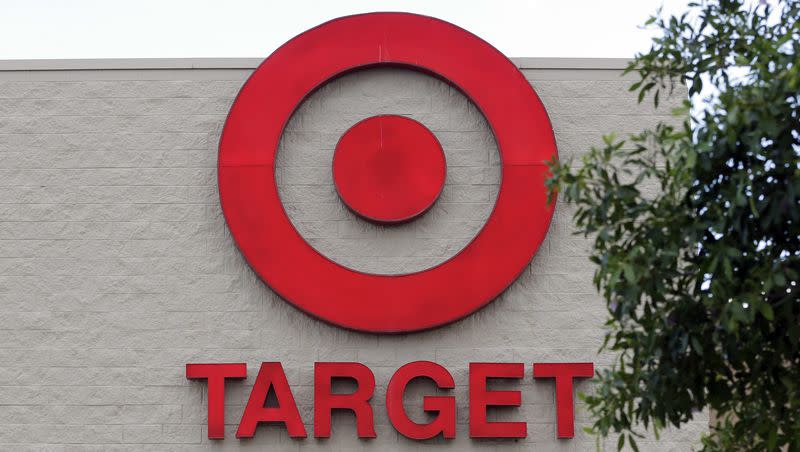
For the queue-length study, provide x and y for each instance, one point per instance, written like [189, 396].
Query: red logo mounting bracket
[386, 303]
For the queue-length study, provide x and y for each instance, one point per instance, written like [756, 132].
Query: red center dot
[389, 169]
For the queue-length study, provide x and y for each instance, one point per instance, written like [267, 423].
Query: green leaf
[766, 311]
[632, 442]
[696, 346]
[627, 269]
[727, 268]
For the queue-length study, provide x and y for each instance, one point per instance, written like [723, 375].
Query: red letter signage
[271, 376]
[444, 423]
[216, 374]
[564, 373]
[480, 398]
[357, 402]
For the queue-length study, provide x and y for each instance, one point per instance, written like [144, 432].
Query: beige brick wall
[117, 269]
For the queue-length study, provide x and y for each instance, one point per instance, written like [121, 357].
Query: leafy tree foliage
[696, 233]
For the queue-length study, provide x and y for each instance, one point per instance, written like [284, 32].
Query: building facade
[117, 267]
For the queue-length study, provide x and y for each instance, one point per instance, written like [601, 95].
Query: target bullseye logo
[387, 169]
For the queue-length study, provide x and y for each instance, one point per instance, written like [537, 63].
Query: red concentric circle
[389, 169]
[386, 303]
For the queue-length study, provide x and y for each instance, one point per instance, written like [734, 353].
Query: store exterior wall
[117, 267]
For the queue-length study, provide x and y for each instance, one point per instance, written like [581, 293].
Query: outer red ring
[386, 303]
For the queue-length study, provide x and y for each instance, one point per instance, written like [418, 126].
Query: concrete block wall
[117, 268]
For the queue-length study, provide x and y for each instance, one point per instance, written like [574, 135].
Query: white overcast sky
[249, 28]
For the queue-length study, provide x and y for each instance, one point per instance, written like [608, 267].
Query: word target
[395, 185]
